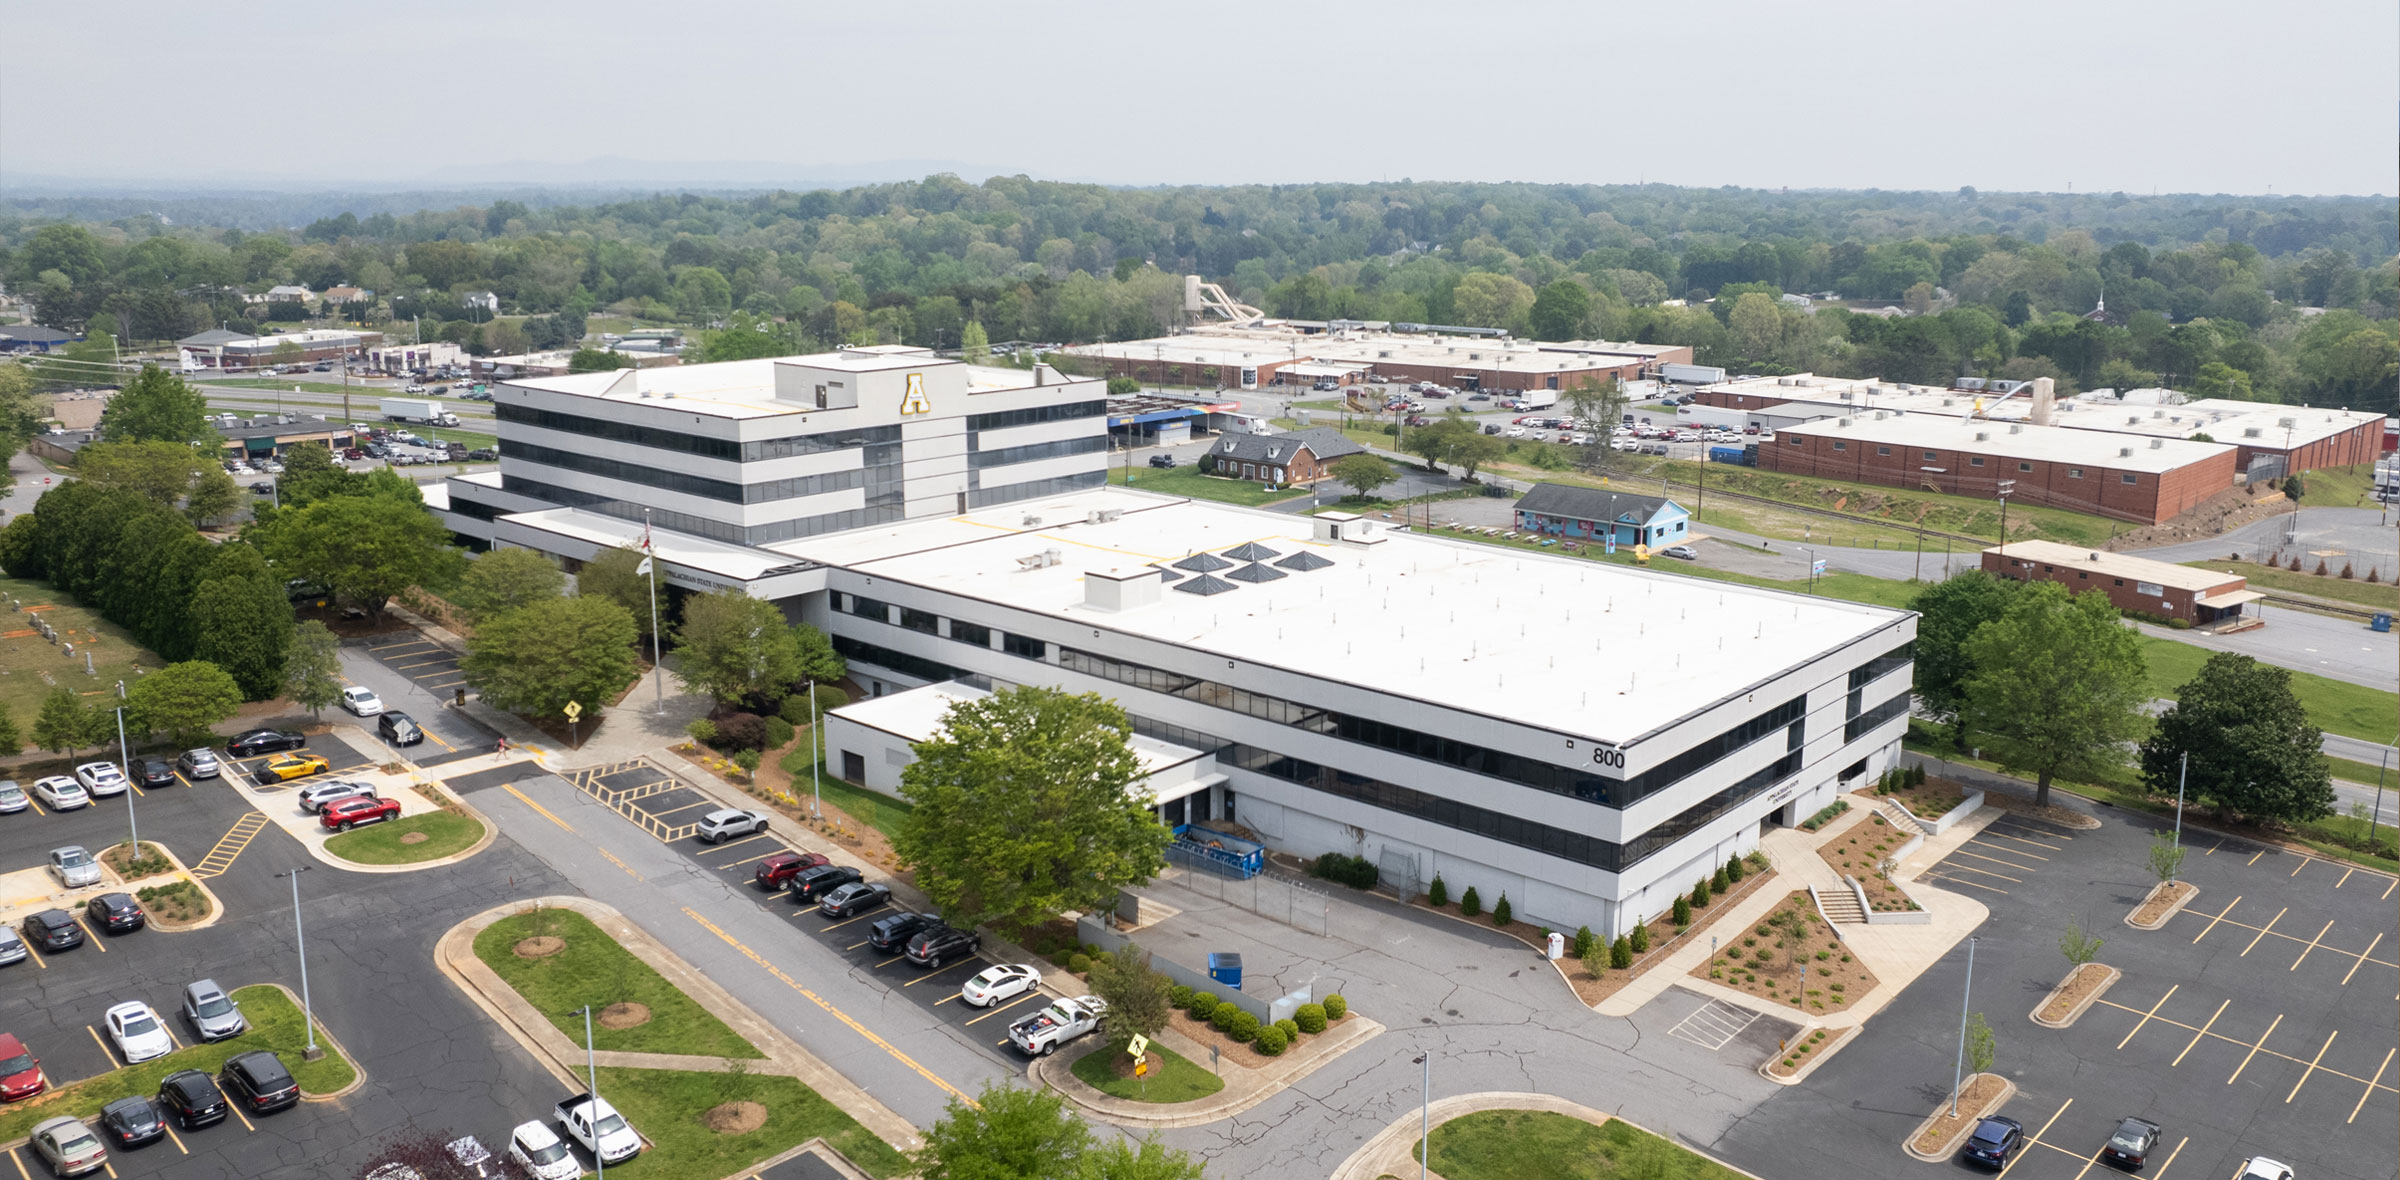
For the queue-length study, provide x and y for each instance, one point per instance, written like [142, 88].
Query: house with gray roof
[1296, 459]
[1586, 514]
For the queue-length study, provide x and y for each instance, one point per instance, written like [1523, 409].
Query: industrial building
[2199, 597]
[945, 525]
[306, 348]
[1254, 357]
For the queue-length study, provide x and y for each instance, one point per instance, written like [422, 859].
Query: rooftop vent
[2016, 428]
[2124, 451]
[1983, 436]
[1304, 561]
[1102, 515]
[2158, 444]
[1031, 521]
[1205, 584]
[2250, 432]
[1203, 563]
[1042, 560]
[1251, 551]
[1257, 572]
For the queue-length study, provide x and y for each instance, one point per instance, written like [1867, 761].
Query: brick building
[1292, 460]
[1252, 358]
[2200, 597]
[2147, 480]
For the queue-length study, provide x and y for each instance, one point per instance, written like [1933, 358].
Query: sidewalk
[1245, 1085]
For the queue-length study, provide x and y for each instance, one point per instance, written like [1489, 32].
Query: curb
[358, 1072]
[183, 872]
[1383, 1153]
[491, 832]
[2193, 892]
[2108, 981]
[1058, 1075]
[2008, 1090]
[1841, 1037]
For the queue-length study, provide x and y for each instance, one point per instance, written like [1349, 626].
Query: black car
[258, 1080]
[933, 946]
[131, 1122]
[2132, 1143]
[821, 880]
[1162, 460]
[192, 1099]
[893, 933]
[265, 741]
[115, 913]
[855, 898]
[399, 729]
[1995, 1141]
[53, 930]
[153, 772]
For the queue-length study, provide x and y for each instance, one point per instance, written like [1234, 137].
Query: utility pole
[2007, 487]
[816, 755]
[1425, 1117]
[591, 1079]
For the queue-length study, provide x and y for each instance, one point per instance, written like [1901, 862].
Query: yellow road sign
[573, 710]
[1138, 1047]
[1141, 1069]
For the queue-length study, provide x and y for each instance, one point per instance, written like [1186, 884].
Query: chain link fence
[1267, 895]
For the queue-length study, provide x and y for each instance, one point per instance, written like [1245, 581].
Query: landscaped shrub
[1720, 882]
[1437, 894]
[1356, 872]
[1584, 940]
[1701, 893]
[1470, 903]
[1335, 1005]
[1179, 996]
[1061, 957]
[1620, 953]
[1079, 963]
[1683, 912]
[1757, 859]
[1310, 1018]
[702, 730]
[779, 732]
[1501, 914]
[747, 759]
[1289, 1027]
[741, 731]
[1271, 1041]
[795, 709]
[1222, 1018]
[1245, 1027]
[1640, 938]
[1203, 1005]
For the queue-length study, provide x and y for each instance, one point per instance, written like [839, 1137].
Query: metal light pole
[125, 764]
[300, 945]
[2183, 770]
[816, 754]
[591, 1076]
[1958, 1076]
[2006, 488]
[658, 669]
[1425, 1119]
[2385, 760]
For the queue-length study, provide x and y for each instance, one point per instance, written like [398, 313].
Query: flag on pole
[646, 536]
[643, 569]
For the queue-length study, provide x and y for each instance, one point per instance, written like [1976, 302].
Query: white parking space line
[1715, 1023]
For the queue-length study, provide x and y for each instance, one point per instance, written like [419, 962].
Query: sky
[2040, 95]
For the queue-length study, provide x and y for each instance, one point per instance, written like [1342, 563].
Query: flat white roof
[2117, 565]
[2049, 444]
[684, 549]
[1575, 646]
[1361, 349]
[2150, 413]
[916, 715]
[746, 389]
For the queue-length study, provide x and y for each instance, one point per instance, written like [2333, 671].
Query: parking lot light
[125, 763]
[300, 945]
[2183, 770]
[1958, 1076]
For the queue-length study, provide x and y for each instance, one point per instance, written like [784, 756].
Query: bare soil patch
[1769, 961]
[1818, 1044]
[540, 946]
[735, 1118]
[1941, 1136]
[1859, 849]
[2086, 981]
[624, 1015]
[1931, 799]
[121, 860]
[414, 838]
[2161, 902]
[176, 905]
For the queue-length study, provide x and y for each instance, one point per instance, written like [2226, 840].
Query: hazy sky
[2208, 96]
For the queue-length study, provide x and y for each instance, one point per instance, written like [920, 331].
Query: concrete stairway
[1899, 818]
[1841, 904]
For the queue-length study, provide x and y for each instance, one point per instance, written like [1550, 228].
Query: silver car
[12, 797]
[196, 764]
[719, 826]
[12, 948]
[314, 799]
[74, 867]
[213, 1014]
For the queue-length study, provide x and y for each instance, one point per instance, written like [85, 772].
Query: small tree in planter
[1683, 912]
[1595, 959]
[2078, 946]
[1470, 903]
[1640, 938]
[1585, 940]
[1733, 869]
[1437, 894]
[1701, 893]
[1500, 913]
[1981, 1045]
[1720, 881]
[2166, 856]
[1620, 953]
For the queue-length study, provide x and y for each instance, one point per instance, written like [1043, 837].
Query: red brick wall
[2360, 444]
[2123, 593]
[2150, 499]
[1737, 401]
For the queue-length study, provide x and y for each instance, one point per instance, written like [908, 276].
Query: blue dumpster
[2383, 621]
[1226, 969]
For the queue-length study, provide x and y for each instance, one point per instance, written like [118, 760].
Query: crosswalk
[237, 838]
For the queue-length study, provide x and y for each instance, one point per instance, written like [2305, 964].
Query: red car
[20, 1071]
[777, 871]
[345, 814]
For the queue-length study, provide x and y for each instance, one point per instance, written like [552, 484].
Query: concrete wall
[1268, 1011]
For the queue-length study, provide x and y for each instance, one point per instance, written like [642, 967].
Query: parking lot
[419, 677]
[2007, 852]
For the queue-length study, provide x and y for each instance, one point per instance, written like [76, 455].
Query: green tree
[747, 337]
[1021, 809]
[12, 742]
[1472, 448]
[2058, 685]
[610, 574]
[1136, 994]
[21, 413]
[732, 646]
[1562, 311]
[2166, 856]
[594, 360]
[1487, 300]
[535, 659]
[242, 620]
[2218, 379]
[1757, 325]
[1362, 473]
[2078, 946]
[160, 472]
[2253, 752]
[365, 549]
[287, 353]
[310, 475]
[157, 406]
[63, 723]
[1434, 443]
[214, 496]
[1598, 407]
[974, 344]
[506, 579]
[505, 338]
[1124, 1159]
[1007, 1133]
[312, 670]
[1950, 612]
[1981, 1045]
[183, 701]
[819, 663]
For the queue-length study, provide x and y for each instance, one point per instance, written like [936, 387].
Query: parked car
[538, 1149]
[12, 948]
[153, 772]
[1004, 982]
[2130, 1145]
[53, 930]
[719, 826]
[891, 934]
[292, 766]
[936, 945]
[361, 809]
[399, 729]
[69, 1147]
[197, 764]
[361, 701]
[13, 798]
[137, 1032]
[1995, 1141]
[60, 793]
[1684, 552]
[265, 741]
[20, 1071]
[777, 871]
[258, 1080]
[101, 779]
[131, 1122]
[855, 898]
[1162, 459]
[2259, 1167]
[212, 1014]
[74, 867]
[316, 798]
[192, 1099]
[811, 886]
[1040, 1034]
[115, 913]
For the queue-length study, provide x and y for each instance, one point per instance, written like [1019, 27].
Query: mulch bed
[1859, 848]
[2021, 805]
[1835, 977]
[1944, 1135]
[1816, 1045]
[1929, 800]
[1232, 1052]
[2162, 900]
[2088, 978]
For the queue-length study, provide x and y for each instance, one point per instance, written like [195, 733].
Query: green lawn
[1172, 1077]
[1187, 481]
[595, 970]
[1541, 1145]
[2335, 706]
[1847, 586]
[2361, 772]
[1900, 507]
[447, 832]
[878, 811]
[25, 655]
[2338, 487]
[2382, 595]
[667, 1106]
[286, 384]
[275, 1025]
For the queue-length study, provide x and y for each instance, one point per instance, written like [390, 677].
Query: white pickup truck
[1040, 1034]
[597, 1125]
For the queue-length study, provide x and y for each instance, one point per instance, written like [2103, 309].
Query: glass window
[917, 620]
[1024, 645]
[1883, 450]
[974, 633]
[2129, 477]
[2024, 466]
[1975, 461]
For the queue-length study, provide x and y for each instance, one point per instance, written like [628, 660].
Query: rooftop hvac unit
[1474, 356]
[1386, 355]
[2158, 413]
[1949, 401]
[2158, 444]
[2250, 432]
[2016, 428]
[1042, 560]
[1846, 394]
[2287, 423]
[1102, 515]
[2123, 452]
[1841, 422]
[1983, 436]
[1031, 521]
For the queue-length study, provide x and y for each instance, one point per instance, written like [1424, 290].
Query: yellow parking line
[237, 1113]
[2212, 1023]
[997, 1009]
[2254, 858]
[2037, 1136]
[105, 1051]
[2304, 863]
[2161, 1173]
[37, 805]
[1970, 884]
[679, 810]
[2262, 1040]
[2345, 877]
[2012, 851]
[2137, 1027]
[2087, 1163]
[874, 913]
[92, 938]
[856, 945]
[544, 812]
[936, 973]
[138, 793]
[2371, 1083]
[2362, 958]
[2312, 945]
[2312, 1067]
[753, 860]
[2217, 917]
[2262, 931]
[12, 1158]
[174, 1138]
[418, 664]
[732, 843]
[1986, 872]
[1998, 861]
[894, 959]
[2023, 840]
[2387, 890]
[2212, 849]
[437, 738]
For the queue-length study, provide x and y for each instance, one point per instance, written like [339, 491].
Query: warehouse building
[1251, 358]
[2161, 589]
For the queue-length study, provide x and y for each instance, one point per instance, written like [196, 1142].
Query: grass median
[1172, 1077]
[1545, 1145]
[671, 1108]
[446, 833]
[275, 1025]
[1187, 481]
[589, 967]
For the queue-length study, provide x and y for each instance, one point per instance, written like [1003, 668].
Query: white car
[1515, 432]
[1004, 982]
[60, 793]
[74, 867]
[719, 826]
[102, 779]
[138, 1033]
[361, 701]
[2259, 1167]
[542, 1154]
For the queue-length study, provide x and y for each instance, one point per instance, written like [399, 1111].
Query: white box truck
[1691, 374]
[417, 409]
[1538, 399]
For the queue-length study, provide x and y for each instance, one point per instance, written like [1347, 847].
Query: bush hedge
[1640, 939]
[1620, 953]
[795, 709]
[1501, 914]
[1470, 903]
[1203, 1005]
[1243, 1028]
[1733, 868]
[1683, 911]
[741, 731]
[1438, 894]
[1356, 872]
[1079, 963]
[1179, 996]
[1310, 1018]
[1335, 1006]
[1271, 1042]
[1289, 1027]
[1584, 941]
[779, 732]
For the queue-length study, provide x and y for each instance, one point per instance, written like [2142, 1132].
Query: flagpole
[658, 669]
[816, 754]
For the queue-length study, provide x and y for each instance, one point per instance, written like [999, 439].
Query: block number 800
[1611, 758]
